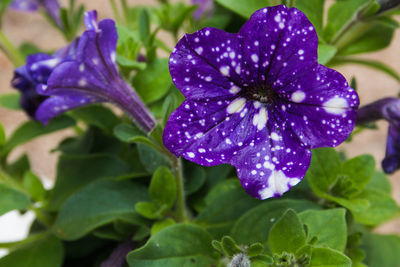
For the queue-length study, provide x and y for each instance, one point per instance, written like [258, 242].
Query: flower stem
[181, 209]
[11, 51]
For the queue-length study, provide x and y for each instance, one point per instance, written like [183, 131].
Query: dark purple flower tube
[35, 72]
[389, 110]
[258, 100]
[52, 7]
[92, 77]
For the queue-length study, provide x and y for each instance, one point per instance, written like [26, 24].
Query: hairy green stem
[181, 210]
[11, 51]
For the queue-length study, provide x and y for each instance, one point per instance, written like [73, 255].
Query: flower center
[262, 93]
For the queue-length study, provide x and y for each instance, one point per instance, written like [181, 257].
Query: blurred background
[32, 27]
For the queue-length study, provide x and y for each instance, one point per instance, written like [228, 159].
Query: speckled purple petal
[25, 5]
[56, 105]
[320, 107]
[209, 132]
[97, 49]
[202, 65]
[90, 18]
[278, 43]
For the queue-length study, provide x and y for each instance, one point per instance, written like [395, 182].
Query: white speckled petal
[278, 43]
[203, 64]
[326, 114]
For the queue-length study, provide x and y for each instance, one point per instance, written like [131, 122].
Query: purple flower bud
[258, 100]
[92, 77]
[389, 110]
[36, 72]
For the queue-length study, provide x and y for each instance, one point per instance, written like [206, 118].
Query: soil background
[20, 27]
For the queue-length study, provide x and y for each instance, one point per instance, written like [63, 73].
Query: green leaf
[246, 8]
[158, 226]
[96, 115]
[325, 53]
[255, 249]
[287, 234]
[151, 158]
[2, 135]
[329, 226]
[34, 186]
[324, 167]
[340, 15]
[262, 217]
[224, 209]
[195, 179]
[369, 41]
[381, 250]
[127, 132]
[177, 245]
[150, 210]
[379, 181]
[153, 82]
[370, 63]
[76, 171]
[17, 168]
[144, 26]
[163, 187]
[46, 251]
[10, 101]
[229, 246]
[326, 257]
[32, 129]
[12, 199]
[314, 10]
[359, 169]
[97, 204]
[381, 208]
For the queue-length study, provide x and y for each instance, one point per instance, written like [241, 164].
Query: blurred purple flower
[36, 71]
[205, 8]
[389, 110]
[52, 7]
[258, 100]
[92, 77]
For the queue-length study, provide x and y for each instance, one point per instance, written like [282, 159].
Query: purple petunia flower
[52, 7]
[389, 110]
[205, 8]
[92, 77]
[258, 100]
[37, 71]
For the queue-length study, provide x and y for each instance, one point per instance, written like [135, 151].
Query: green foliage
[32, 129]
[96, 115]
[12, 199]
[46, 250]
[162, 192]
[262, 217]
[153, 82]
[327, 257]
[88, 209]
[34, 186]
[10, 101]
[177, 245]
[314, 10]
[287, 234]
[76, 171]
[246, 8]
[345, 184]
[328, 226]
[381, 250]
